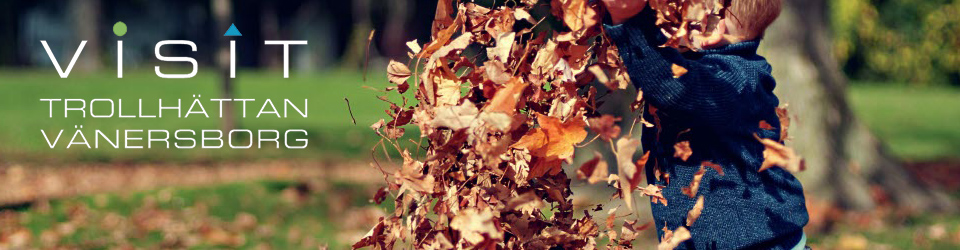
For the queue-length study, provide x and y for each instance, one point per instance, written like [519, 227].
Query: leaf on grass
[776, 154]
[594, 170]
[682, 150]
[695, 212]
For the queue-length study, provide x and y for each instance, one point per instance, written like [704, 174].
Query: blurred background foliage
[910, 41]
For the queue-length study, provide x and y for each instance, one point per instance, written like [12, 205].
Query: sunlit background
[899, 61]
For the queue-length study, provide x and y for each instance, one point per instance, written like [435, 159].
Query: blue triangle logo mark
[232, 31]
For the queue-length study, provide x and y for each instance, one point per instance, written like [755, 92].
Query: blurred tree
[916, 41]
[222, 10]
[86, 18]
[357, 45]
[848, 165]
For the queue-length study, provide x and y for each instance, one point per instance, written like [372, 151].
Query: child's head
[745, 20]
[750, 18]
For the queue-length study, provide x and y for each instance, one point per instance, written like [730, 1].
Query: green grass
[329, 124]
[181, 214]
[916, 123]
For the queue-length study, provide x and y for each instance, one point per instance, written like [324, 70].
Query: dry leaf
[474, 225]
[678, 70]
[776, 154]
[695, 212]
[655, 193]
[682, 150]
[594, 170]
[605, 126]
[630, 174]
[714, 166]
[695, 183]
[676, 237]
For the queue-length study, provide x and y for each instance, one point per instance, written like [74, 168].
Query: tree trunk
[270, 56]
[357, 45]
[847, 165]
[222, 10]
[86, 21]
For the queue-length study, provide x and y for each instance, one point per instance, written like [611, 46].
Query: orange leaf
[678, 70]
[695, 212]
[552, 142]
[695, 183]
[682, 150]
[715, 166]
[776, 154]
[506, 99]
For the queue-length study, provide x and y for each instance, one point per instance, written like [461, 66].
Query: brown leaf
[398, 73]
[676, 237]
[475, 224]
[714, 166]
[678, 70]
[594, 170]
[695, 183]
[552, 142]
[682, 150]
[765, 125]
[507, 98]
[605, 126]
[695, 212]
[655, 193]
[630, 174]
[784, 122]
[776, 154]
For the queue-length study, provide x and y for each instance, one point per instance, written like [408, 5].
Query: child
[717, 107]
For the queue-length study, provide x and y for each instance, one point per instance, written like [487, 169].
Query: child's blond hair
[754, 16]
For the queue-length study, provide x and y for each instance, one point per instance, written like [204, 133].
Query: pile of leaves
[501, 102]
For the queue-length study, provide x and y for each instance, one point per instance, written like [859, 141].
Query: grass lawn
[329, 125]
[278, 215]
[916, 123]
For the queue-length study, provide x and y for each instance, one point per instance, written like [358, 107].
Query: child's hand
[621, 10]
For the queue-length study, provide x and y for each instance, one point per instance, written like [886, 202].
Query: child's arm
[717, 92]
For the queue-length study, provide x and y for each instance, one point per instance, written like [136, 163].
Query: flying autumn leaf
[397, 73]
[507, 98]
[672, 239]
[630, 174]
[776, 154]
[655, 193]
[714, 166]
[605, 126]
[784, 122]
[475, 225]
[695, 183]
[695, 212]
[678, 70]
[553, 142]
[594, 170]
[682, 150]
[765, 125]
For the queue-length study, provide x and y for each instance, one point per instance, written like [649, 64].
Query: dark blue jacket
[721, 100]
